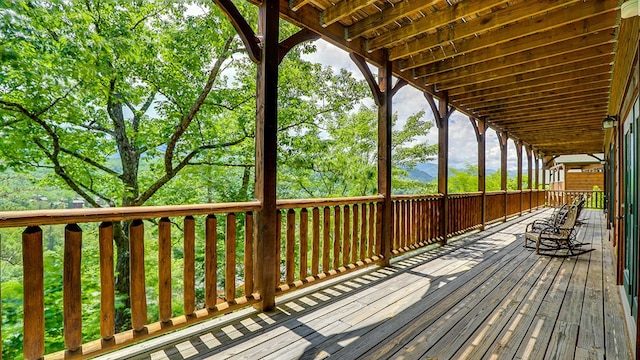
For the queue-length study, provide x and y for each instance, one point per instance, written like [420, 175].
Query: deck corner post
[266, 155]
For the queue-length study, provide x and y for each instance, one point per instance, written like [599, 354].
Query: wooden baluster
[164, 269]
[363, 232]
[189, 269]
[326, 238]
[211, 262]
[407, 223]
[290, 262]
[230, 258]
[279, 247]
[315, 247]
[395, 219]
[378, 245]
[33, 293]
[354, 234]
[107, 290]
[72, 294]
[414, 222]
[304, 242]
[138, 291]
[372, 230]
[248, 253]
[336, 237]
[346, 235]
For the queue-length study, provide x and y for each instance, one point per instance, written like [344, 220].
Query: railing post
[33, 287]
[72, 296]
[107, 289]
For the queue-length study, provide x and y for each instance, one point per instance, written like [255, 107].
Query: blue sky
[408, 100]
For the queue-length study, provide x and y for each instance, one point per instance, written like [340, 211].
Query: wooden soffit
[540, 70]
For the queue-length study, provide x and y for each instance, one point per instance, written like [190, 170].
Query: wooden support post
[529, 150]
[503, 138]
[266, 154]
[544, 177]
[480, 127]
[519, 177]
[384, 158]
[441, 115]
[536, 156]
[382, 94]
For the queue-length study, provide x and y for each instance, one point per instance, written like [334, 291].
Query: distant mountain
[421, 176]
[427, 172]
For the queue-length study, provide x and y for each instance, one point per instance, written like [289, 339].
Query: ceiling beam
[482, 73]
[388, 16]
[523, 50]
[554, 23]
[553, 81]
[527, 95]
[341, 10]
[527, 61]
[430, 22]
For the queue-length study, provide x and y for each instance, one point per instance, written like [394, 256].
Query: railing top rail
[416, 197]
[306, 203]
[73, 216]
[497, 192]
[465, 194]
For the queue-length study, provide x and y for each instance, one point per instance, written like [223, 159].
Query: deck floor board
[483, 296]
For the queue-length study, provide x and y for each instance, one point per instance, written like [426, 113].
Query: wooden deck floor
[484, 296]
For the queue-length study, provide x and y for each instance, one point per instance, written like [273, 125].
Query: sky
[408, 100]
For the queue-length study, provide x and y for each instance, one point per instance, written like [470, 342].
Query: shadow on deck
[482, 296]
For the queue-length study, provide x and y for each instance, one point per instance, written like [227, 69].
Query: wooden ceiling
[540, 70]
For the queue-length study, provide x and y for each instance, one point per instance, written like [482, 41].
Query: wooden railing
[594, 199]
[318, 239]
[415, 222]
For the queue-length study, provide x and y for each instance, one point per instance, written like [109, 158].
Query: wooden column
[480, 129]
[536, 155]
[519, 177]
[266, 155]
[441, 115]
[384, 158]
[530, 175]
[502, 140]
[383, 92]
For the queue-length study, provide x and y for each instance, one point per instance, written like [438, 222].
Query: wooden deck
[484, 296]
